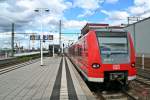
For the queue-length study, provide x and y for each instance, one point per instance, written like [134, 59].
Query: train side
[87, 54]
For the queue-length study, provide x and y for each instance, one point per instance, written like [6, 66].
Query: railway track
[143, 80]
[138, 90]
[121, 94]
[10, 68]
[117, 96]
[145, 73]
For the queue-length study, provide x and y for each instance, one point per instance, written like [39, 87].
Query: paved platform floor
[29, 82]
[35, 82]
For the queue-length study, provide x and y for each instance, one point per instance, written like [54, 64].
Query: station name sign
[37, 37]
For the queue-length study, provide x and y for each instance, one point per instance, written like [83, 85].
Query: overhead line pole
[60, 36]
[12, 40]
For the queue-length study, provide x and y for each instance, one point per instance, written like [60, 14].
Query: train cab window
[114, 47]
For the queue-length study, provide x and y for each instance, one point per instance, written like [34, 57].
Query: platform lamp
[41, 11]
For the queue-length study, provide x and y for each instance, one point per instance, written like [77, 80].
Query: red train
[104, 53]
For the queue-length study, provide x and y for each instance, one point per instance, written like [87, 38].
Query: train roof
[101, 27]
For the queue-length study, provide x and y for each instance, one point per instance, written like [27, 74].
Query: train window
[84, 45]
[79, 51]
[114, 48]
[113, 44]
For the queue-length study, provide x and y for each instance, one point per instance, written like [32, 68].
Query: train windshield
[113, 47]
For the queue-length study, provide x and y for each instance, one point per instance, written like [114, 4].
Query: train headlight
[95, 65]
[132, 64]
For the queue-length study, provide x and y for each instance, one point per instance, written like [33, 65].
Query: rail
[8, 69]
[19, 59]
[129, 96]
[28, 53]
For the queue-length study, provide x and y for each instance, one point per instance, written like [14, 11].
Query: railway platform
[56, 80]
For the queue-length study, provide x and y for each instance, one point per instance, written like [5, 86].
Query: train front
[117, 57]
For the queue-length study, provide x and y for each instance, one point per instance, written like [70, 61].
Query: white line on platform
[63, 89]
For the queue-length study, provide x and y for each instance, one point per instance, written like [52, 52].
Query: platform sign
[34, 37]
[37, 37]
[47, 37]
[50, 37]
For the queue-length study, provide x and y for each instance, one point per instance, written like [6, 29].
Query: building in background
[141, 35]
[56, 49]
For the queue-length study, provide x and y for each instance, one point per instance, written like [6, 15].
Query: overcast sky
[73, 13]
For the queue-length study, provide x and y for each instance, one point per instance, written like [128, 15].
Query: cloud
[111, 1]
[136, 10]
[116, 15]
[140, 8]
[21, 12]
[140, 2]
[86, 13]
[88, 6]
[74, 24]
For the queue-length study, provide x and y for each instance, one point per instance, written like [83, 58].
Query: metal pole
[128, 20]
[53, 49]
[142, 61]
[29, 44]
[12, 40]
[41, 40]
[41, 50]
[60, 35]
[134, 36]
[19, 46]
[6, 54]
